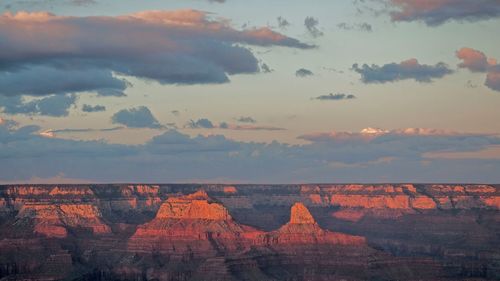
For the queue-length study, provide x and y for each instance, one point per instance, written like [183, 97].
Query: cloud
[23, 4]
[282, 22]
[336, 97]
[409, 69]
[493, 79]
[477, 61]
[311, 25]
[437, 12]
[43, 54]
[302, 72]
[474, 60]
[42, 80]
[246, 119]
[54, 105]
[373, 155]
[202, 123]
[359, 26]
[265, 68]
[53, 133]
[94, 108]
[224, 125]
[137, 117]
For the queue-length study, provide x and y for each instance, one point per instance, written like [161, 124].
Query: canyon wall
[250, 232]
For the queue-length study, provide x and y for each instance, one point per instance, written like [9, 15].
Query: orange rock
[371, 201]
[300, 214]
[493, 201]
[303, 229]
[192, 209]
[52, 219]
[349, 215]
[422, 202]
[230, 189]
[316, 199]
[64, 191]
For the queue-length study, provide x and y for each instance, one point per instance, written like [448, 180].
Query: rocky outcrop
[250, 232]
[53, 220]
[303, 229]
[192, 223]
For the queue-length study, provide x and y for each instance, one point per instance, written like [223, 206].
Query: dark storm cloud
[137, 117]
[409, 69]
[336, 97]
[302, 72]
[93, 108]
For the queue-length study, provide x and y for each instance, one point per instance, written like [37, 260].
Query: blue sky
[93, 86]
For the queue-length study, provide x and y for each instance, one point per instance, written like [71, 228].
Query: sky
[269, 92]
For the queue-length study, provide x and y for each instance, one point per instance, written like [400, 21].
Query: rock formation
[250, 232]
[303, 229]
[53, 220]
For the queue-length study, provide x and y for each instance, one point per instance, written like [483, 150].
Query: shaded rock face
[250, 232]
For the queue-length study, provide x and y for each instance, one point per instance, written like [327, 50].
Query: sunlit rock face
[53, 220]
[250, 232]
[192, 223]
[303, 229]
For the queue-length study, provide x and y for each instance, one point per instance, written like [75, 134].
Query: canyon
[250, 232]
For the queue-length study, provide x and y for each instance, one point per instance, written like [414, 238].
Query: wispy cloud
[335, 97]
[409, 69]
[311, 25]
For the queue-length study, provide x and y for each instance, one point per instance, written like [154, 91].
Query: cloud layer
[43, 54]
[370, 155]
[409, 69]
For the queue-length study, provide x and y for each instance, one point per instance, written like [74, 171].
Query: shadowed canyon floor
[250, 232]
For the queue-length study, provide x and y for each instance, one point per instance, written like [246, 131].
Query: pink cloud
[477, 61]
[474, 60]
[436, 12]
[170, 47]
[368, 134]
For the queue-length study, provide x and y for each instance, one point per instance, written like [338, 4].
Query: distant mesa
[192, 206]
[303, 229]
[54, 220]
